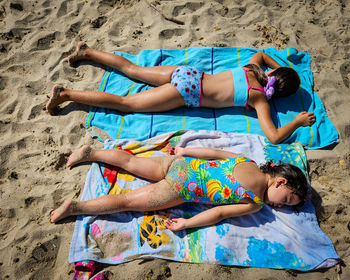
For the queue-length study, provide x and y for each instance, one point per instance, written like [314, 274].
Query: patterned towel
[273, 238]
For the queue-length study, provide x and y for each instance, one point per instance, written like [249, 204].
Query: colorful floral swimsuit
[188, 81]
[208, 181]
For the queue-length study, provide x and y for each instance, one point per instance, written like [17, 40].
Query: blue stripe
[212, 71]
[275, 108]
[214, 116]
[212, 61]
[151, 128]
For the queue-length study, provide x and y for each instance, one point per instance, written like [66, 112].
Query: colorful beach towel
[273, 238]
[235, 119]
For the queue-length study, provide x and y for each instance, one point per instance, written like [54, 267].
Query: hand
[175, 224]
[305, 119]
[178, 151]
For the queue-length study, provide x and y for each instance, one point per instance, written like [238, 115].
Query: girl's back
[218, 90]
[250, 176]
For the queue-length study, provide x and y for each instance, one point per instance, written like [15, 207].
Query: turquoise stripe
[302, 103]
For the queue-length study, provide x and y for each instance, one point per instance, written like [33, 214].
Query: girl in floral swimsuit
[177, 86]
[208, 181]
[235, 184]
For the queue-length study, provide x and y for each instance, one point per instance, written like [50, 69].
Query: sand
[36, 36]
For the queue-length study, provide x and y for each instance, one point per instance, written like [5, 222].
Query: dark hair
[259, 73]
[287, 79]
[296, 179]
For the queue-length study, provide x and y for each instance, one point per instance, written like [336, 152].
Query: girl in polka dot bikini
[231, 182]
[177, 86]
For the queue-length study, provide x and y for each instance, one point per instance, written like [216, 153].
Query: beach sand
[36, 36]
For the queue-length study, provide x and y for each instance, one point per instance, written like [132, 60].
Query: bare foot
[81, 155]
[55, 100]
[79, 54]
[65, 210]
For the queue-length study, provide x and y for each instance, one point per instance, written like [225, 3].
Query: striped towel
[214, 60]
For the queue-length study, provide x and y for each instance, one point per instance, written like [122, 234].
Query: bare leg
[147, 168]
[156, 75]
[147, 198]
[159, 99]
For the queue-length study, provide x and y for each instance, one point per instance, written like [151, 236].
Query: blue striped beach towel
[140, 126]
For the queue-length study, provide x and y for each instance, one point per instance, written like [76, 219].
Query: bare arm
[261, 58]
[212, 216]
[277, 135]
[202, 153]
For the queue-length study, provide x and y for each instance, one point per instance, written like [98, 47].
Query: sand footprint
[73, 30]
[344, 72]
[169, 33]
[62, 10]
[7, 222]
[233, 13]
[40, 262]
[98, 22]
[46, 251]
[44, 43]
[191, 6]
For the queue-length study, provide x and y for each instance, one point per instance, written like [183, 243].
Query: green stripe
[246, 116]
[245, 111]
[93, 108]
[239, 58]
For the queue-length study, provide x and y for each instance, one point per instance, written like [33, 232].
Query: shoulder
[257, 99]
[245, 167]
[250, 176]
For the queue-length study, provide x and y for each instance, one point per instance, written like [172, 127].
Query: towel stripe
[122, 120]
[302, 103]
[246, 116]
[239, 58]
[183, 109]
[245, 111]
[212, 72]
[92, 113]
[300, 94]
[275, 107]
[152, 114]
[212, 62]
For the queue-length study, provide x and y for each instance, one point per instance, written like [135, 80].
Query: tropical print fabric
[209, 181]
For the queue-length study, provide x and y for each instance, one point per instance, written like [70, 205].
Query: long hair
[296, 180]
[259, 73]
[287, 79]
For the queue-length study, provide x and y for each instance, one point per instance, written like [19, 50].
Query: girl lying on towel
[176, 86]
[197, 175]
